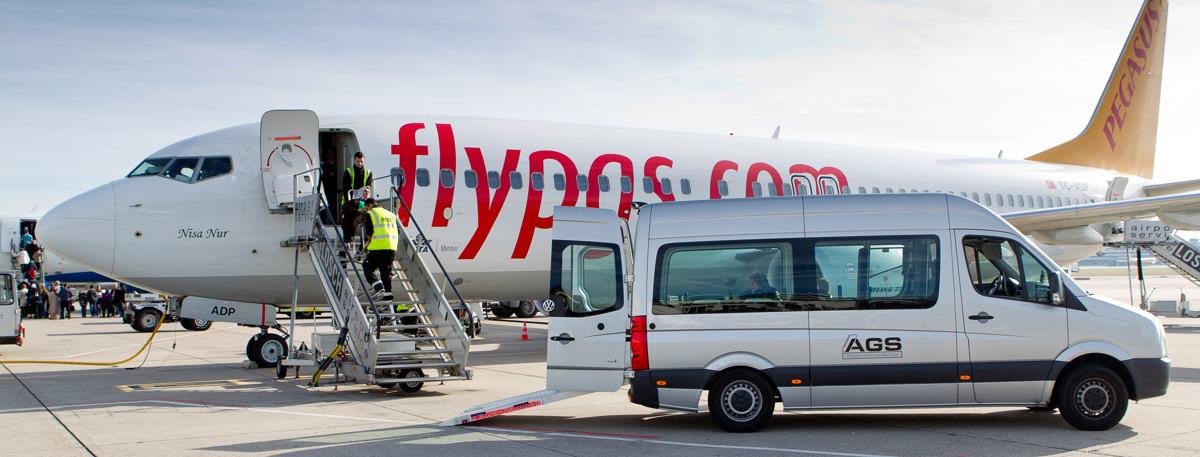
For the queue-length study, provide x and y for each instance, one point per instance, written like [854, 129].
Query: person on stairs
[384, 237]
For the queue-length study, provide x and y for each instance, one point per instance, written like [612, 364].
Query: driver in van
[759, 287]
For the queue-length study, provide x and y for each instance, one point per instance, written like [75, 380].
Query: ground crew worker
[355, 178]
[380, 226]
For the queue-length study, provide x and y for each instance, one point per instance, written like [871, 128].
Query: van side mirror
[1057, 291]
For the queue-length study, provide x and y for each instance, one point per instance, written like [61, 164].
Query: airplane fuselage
[483, 190]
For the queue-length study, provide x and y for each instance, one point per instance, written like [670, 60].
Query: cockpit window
[150, 167]
[214, 166]
[182, 169]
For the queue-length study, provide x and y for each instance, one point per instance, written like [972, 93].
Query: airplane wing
[1181, 211]
[1155, 190]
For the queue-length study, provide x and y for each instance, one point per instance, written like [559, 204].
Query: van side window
[1005, 269]
[703, 278]
[874, 273]
[589, 278]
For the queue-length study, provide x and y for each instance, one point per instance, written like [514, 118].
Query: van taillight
[639, 351]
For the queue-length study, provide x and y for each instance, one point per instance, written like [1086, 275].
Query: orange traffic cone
[524, 331]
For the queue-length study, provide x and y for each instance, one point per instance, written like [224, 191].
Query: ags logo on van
[875, 348]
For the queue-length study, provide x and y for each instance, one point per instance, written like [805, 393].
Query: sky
[90, 88]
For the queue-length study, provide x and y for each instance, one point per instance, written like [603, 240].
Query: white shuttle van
[854, 301]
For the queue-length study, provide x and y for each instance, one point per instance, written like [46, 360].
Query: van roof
[820, 214]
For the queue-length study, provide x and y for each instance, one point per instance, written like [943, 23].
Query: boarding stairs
[417, 336]
[1180, 255]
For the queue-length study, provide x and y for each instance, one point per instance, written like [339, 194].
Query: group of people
[381, 235]
[57, 301]
[29, 256]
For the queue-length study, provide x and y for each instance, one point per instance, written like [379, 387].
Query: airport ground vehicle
[148, 308]
[10, 310]
[873, 301]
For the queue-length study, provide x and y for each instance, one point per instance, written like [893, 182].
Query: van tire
[1092, 397]
[741, 401]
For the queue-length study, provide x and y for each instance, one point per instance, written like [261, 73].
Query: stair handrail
[398, 180]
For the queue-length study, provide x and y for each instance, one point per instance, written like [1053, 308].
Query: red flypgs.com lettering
[802, 179]
[1143, 41]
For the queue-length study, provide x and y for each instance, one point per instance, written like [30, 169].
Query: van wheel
[741, 401]
[1092, 397]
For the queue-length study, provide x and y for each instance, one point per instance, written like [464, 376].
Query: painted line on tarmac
[201, 404]
[573, 434]
[152, 344]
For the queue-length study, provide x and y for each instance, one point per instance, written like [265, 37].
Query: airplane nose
[83, 229]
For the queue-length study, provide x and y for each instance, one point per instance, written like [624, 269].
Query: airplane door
[586, 350]
[288, 145]
[1013, 329]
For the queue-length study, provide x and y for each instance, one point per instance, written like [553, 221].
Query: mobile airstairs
[416, 337]
[1172, 250]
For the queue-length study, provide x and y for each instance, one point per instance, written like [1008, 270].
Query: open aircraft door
[587, 350]
[287, 145]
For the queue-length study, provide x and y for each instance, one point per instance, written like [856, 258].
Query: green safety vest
[354, 180]
[385, 235]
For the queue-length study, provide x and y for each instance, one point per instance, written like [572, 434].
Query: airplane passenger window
[181, 169]
[1010, 200]
[494, 179]
[915, 191]
[862, 190]
[149, 167]
[648, 185]
[999, 200]
[560, 181]
[1058, 201]
[423, 177]
[666, 186]
[514, 180]
[212, 167]
[975, 196]
[602, 182]
[626, 185]
[757, 188]
[723, 188]
[902, 191]
[581, 181]
[469, 179]
[1039, 202]
[889, 190]
[987, 198]
[874, 190]
[771, 189]
[787, 189]
[535, 181]
[447, 178]
[964, 194]
[685, 186]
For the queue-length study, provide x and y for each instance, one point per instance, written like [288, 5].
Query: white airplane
[205, 216]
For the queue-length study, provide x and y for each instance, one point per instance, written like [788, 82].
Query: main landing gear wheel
[741, 401]
[1092, 397]
[527, 309]
[146, 319]
[502, 311]
[411, 386]
[267, 349]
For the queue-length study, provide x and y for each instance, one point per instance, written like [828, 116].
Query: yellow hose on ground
[71, 362]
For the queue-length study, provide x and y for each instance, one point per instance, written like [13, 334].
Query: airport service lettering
[497, 412]
[875, 348]
[489, 202]
[1143, 41]
[196, 233]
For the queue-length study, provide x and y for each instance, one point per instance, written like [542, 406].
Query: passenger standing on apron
[380, 226]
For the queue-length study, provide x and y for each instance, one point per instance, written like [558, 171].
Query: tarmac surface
[190, 395]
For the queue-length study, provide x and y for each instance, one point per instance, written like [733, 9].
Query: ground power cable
[102, 364]
[48, 410]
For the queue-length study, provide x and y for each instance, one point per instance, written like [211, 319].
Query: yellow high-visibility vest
[385, 236]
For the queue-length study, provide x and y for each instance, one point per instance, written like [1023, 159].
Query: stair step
[395, 339]
[413, 352]
[417, 365]
[408, 327]
[402, 314]
[425, 379]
